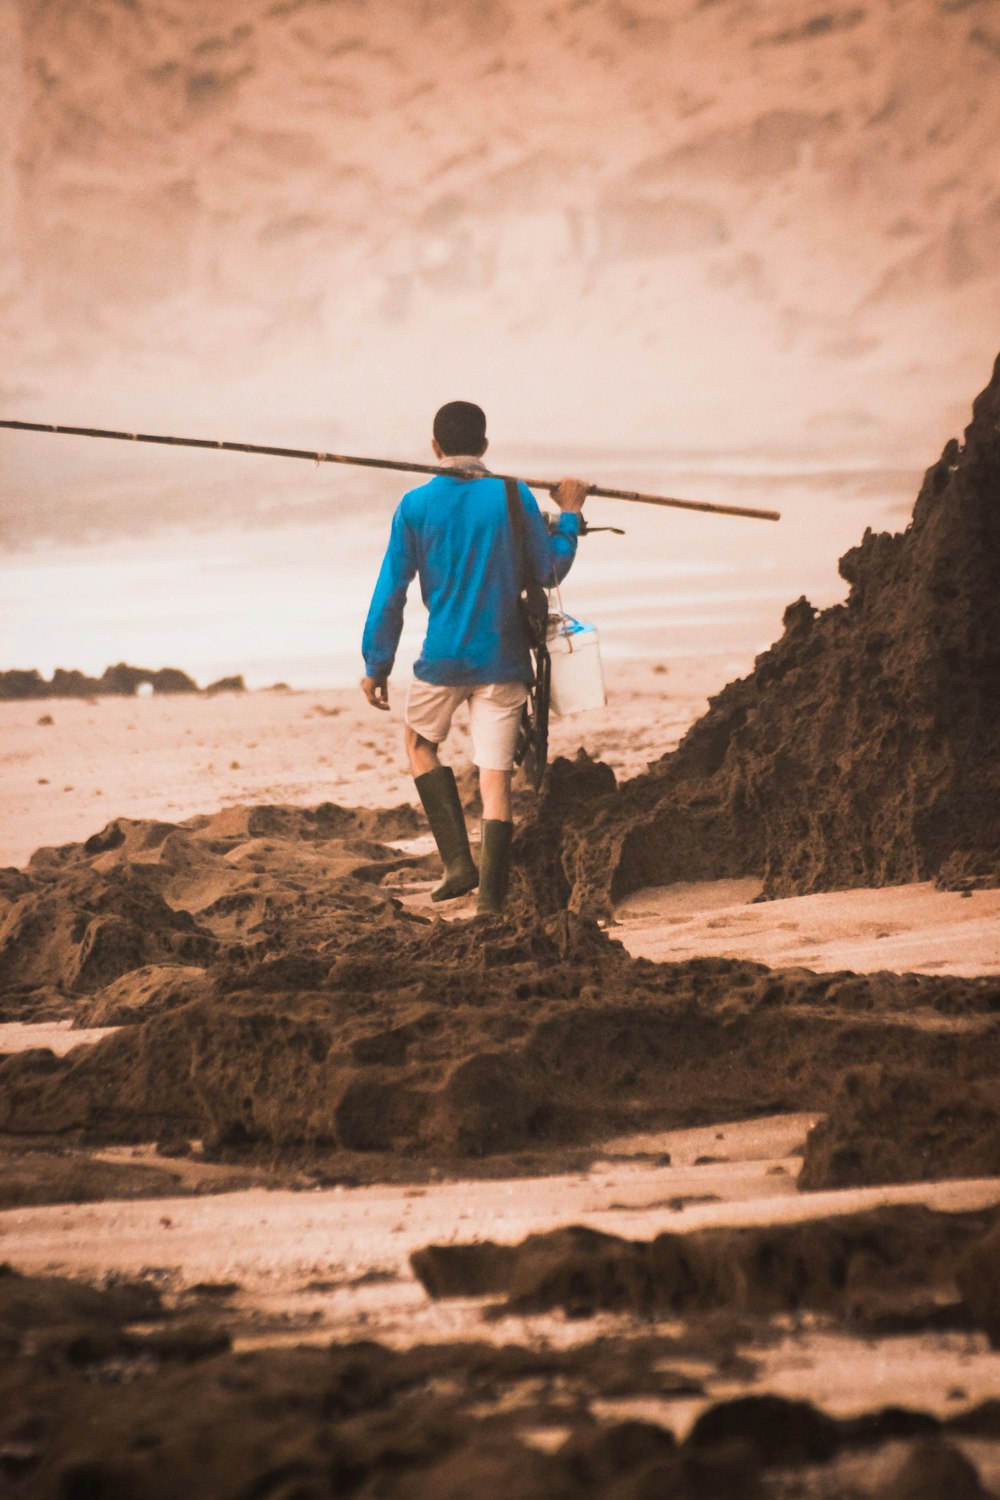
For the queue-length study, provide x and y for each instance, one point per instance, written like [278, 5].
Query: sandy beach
[68, 766]
[676, 1177]
[267, 1255]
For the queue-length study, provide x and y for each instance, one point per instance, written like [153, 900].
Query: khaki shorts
[494, 715]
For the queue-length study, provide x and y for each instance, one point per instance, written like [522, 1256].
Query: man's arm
[385, 614]
[552, 553]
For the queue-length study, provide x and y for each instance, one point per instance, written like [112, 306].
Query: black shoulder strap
[532, 747]
[534, 601]
[515, 514]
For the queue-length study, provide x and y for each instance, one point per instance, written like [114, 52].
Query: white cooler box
[577, 678]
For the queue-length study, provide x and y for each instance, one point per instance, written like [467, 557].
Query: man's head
[460, 427]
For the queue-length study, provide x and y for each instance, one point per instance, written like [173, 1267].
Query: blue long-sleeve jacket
[456, 535]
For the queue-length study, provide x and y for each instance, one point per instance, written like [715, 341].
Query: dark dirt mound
[28, 1303]
[243, 883]
[889, 1124]
[864, 749]
[90, 1406]
[35, 1171]
[887, 1267]
[52, 1176]
[979, 1284]
[932, 1469]
[94, 926]
[141, 993]
[278, 999]
[275, 997]
[449, 1042]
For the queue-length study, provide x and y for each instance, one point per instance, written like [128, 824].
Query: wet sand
[906, 928]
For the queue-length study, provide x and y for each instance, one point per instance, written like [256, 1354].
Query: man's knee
[420, 752]
[415, 741]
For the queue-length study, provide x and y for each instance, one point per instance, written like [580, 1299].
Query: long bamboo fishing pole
[385, 463]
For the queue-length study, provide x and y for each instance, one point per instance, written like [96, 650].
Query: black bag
[532, 750]
[533, 601]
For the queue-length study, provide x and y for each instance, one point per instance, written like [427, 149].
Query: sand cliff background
[721, 225]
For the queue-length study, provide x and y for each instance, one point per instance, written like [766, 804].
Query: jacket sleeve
[552, 552]
[385, 614]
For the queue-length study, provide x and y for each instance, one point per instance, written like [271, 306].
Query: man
[455, 533]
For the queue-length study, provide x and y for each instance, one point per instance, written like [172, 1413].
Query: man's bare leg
[494, 788]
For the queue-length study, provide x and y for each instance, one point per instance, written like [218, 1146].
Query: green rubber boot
[494, 873]
[439, 795]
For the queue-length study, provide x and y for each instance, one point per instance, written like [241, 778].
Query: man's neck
[472, 461]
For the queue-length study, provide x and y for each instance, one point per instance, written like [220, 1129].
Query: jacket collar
[465, 461]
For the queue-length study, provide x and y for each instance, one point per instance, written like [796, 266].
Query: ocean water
[277, 586]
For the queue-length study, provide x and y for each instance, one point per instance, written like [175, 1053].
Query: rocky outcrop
[863, 750]
[118, 681]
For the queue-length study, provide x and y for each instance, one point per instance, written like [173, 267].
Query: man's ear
[438, 450]
[486, 444]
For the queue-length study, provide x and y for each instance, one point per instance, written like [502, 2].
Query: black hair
[460, 427]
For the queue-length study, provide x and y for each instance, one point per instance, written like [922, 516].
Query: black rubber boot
[439, 795]
[494, 861]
